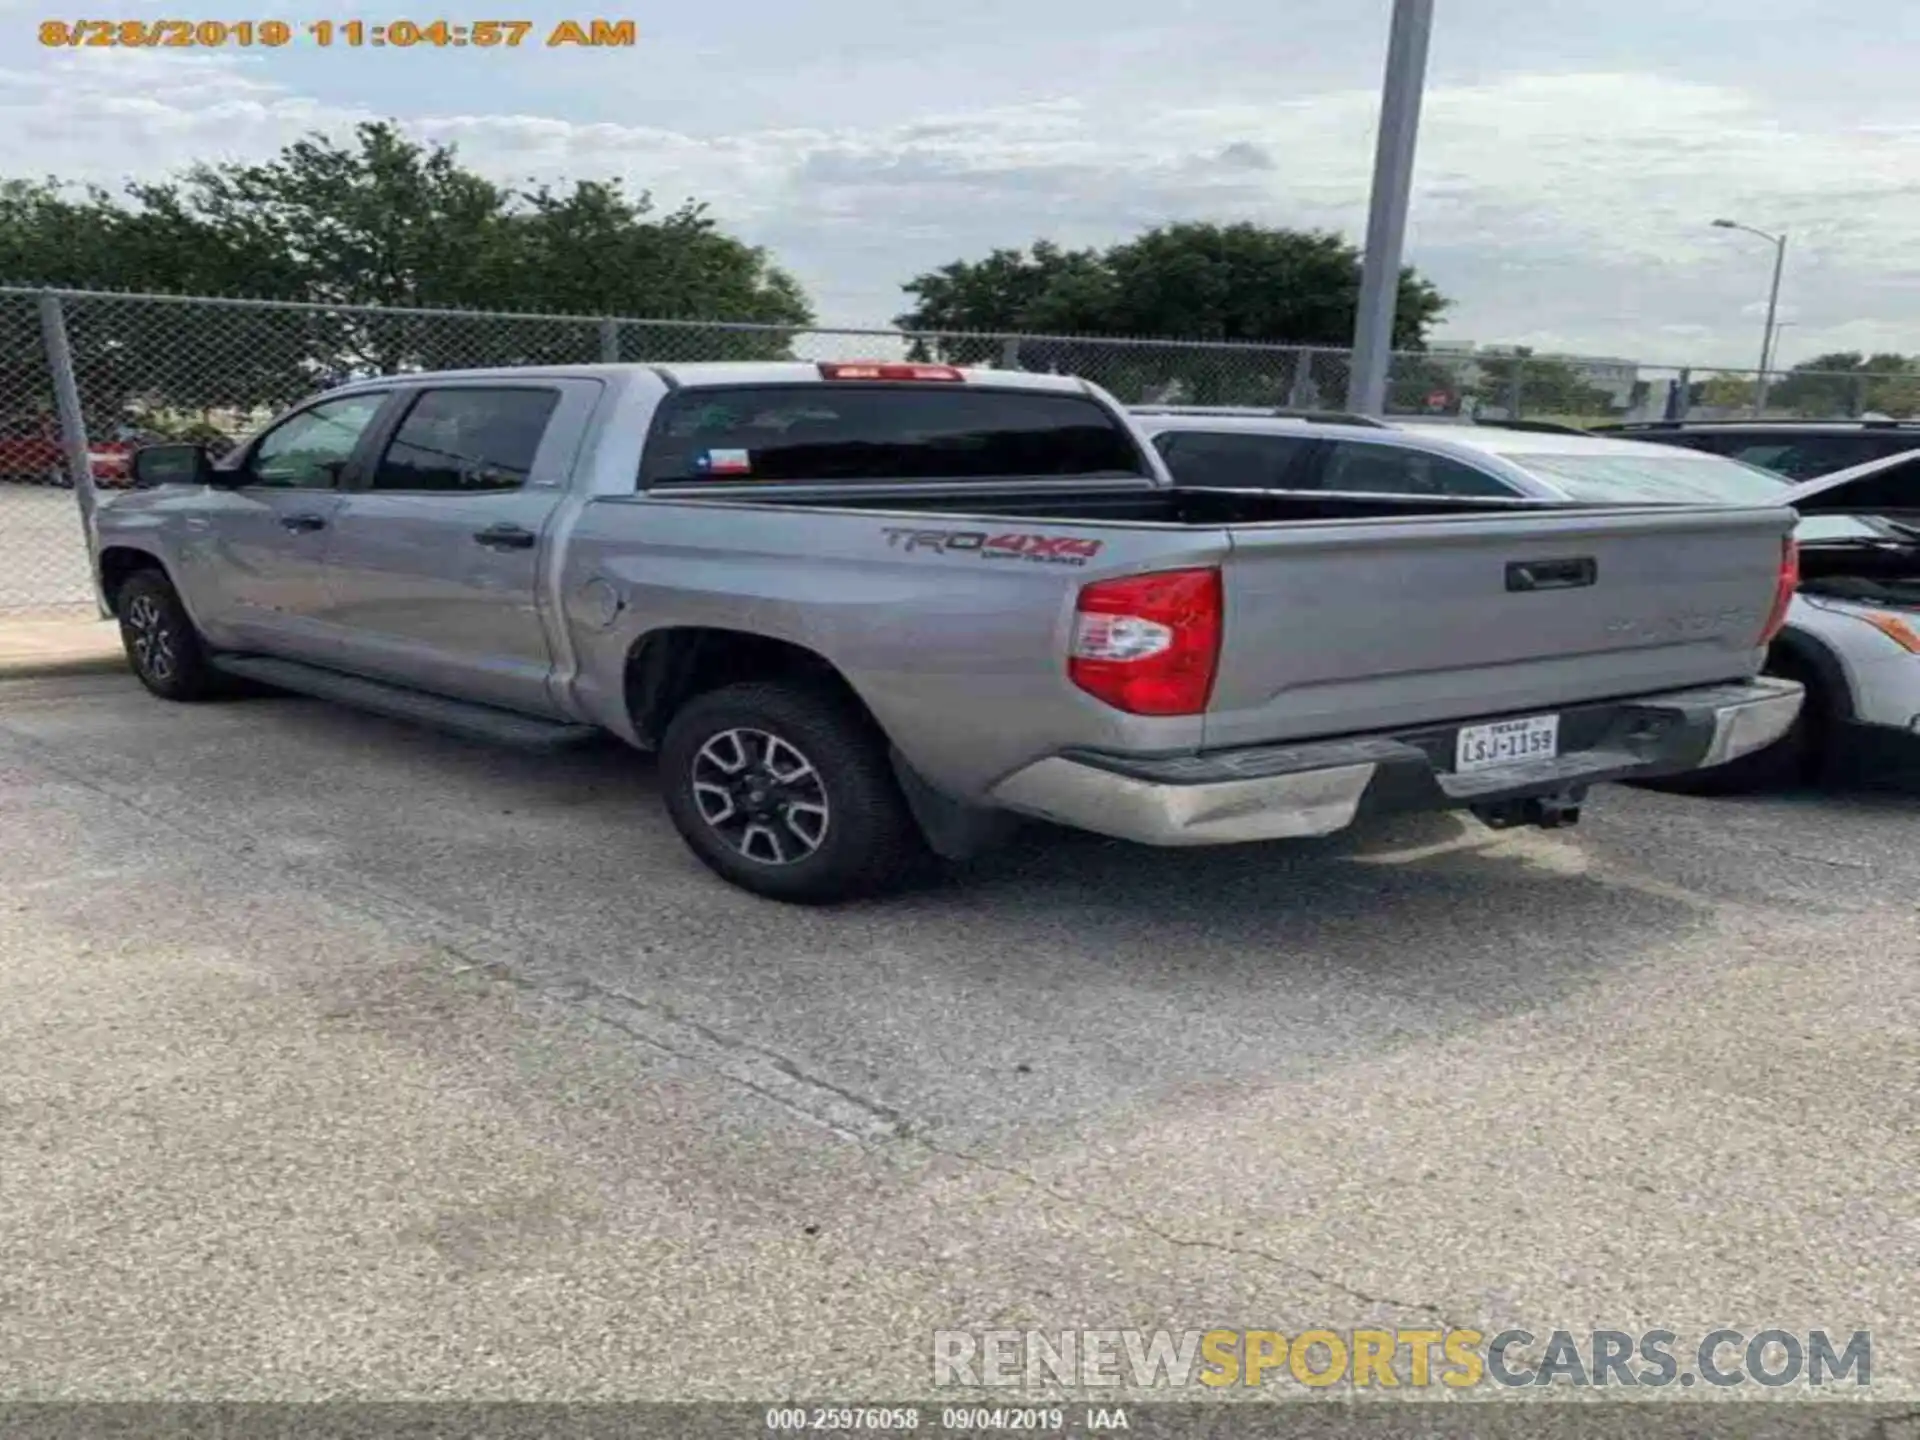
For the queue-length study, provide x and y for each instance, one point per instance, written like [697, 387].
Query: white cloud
[1572, 206]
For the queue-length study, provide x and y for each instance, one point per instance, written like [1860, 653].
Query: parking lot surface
[340, 1058]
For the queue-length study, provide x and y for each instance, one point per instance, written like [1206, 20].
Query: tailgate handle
[1552, 574]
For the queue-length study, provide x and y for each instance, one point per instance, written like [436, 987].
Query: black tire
[864, 840]
[1796, 757]
[165, 650]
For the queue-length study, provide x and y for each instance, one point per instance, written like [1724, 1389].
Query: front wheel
[786, 790]
[165, 649]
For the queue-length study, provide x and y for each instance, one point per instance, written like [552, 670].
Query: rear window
[818, 433]
[1658, 477]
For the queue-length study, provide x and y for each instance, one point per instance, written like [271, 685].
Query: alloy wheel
[761, 795]
[152, 639]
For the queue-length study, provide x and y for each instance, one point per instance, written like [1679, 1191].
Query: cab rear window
[798, 434]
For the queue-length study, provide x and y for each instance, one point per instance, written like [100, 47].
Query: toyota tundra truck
[871, 612]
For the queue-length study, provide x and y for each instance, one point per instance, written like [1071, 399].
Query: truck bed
[948, 606]
[1134, 503]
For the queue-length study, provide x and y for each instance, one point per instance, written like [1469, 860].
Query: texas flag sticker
[727, 462]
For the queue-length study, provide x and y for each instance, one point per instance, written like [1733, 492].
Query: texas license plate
[1482, 747]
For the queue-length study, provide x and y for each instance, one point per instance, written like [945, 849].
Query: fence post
[1513, 386]
[1010, 353]
[610, 342]
[1857, 397]
[1298, 396]
[73, 430]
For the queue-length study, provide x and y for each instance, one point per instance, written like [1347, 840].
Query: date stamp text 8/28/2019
[349, 34]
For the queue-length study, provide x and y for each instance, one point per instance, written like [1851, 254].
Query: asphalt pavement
[340, 1059]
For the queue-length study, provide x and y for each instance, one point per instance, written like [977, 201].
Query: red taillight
[886, 370]
[1149, 644]
[1784, 590]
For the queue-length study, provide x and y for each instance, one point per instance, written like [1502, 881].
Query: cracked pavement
[340, 1059]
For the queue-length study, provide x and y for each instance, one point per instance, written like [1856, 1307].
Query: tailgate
[1341, 627]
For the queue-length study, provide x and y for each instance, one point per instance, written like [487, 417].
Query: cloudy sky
[1571, 158]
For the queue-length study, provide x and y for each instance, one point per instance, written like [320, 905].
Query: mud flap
[954, 830]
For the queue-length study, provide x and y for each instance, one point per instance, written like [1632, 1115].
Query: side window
[1714, 443]
[883, 433]
[1886, 446]
[308, 451]
[1802, 457]
[466, 441]
[1394, 470]
[1775, 457]
[1233, 461]
[1895, 488]
[1824, 454]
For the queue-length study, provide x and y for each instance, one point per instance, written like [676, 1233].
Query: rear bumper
[1272, 792]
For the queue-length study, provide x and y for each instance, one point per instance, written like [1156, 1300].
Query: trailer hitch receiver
[1548, 812]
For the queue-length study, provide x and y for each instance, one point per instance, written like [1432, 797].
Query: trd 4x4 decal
[1007, 545]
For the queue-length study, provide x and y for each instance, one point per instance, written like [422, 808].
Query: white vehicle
[1852, 635]
[1853, 630]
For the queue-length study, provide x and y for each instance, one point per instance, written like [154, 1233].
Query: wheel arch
[666, 668]
[119, 563]
[1819, 667]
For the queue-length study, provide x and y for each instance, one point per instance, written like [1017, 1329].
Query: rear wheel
[166, 651]
[786, 790]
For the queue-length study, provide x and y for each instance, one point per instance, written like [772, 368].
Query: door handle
[1571, 574]
[505, 537]
[301, 524]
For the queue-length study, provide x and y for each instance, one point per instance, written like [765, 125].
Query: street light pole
[1387, 213]
[1779, 243]
[1773, 355]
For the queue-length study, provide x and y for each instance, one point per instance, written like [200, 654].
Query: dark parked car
[1798, 449]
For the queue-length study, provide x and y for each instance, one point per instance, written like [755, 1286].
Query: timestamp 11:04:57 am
[352, 34]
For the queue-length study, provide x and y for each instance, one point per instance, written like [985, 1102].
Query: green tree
[572, 249]
[1547, 385]
[1727, 391]
[1047, 290]
[1238, 283]
[372, 219]
[1897, 395]
[1846, 382]
[1414, 379]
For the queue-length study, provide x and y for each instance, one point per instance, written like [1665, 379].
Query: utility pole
[1773, 330]
[1387, 213]
[1779, 243]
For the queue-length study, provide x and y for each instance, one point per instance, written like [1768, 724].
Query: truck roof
[1459, 439]
[1497, 441]
[730, 372]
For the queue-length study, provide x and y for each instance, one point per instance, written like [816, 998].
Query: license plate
[1482, 747]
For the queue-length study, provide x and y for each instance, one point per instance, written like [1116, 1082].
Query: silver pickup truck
[868, 611]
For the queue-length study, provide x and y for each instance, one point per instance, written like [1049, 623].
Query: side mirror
[171, 464]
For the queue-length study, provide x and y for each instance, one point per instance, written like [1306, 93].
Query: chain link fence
[133, 369]
[43, 550]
